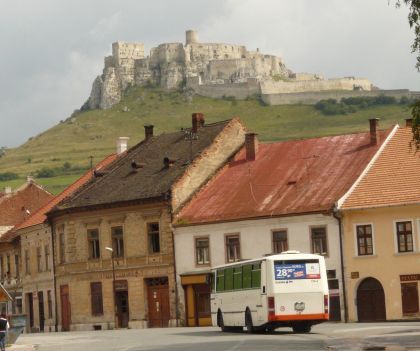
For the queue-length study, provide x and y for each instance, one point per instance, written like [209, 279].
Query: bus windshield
[296, 269]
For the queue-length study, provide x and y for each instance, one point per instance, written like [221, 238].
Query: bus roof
[282, 256]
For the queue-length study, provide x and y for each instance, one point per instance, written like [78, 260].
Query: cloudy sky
[51, 50]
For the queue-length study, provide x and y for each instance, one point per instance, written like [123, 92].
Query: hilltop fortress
[216, 70]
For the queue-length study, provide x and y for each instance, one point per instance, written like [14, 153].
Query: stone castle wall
[209, 69]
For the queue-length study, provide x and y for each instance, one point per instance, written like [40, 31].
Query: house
[113, 240]
[32, 237]
[381, 228]
[270, 198]
[15, 207]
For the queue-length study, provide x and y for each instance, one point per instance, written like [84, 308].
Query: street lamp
[110, 249]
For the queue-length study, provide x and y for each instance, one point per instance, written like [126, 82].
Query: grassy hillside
[94, 133]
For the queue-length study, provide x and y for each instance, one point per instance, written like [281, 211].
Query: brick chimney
[374, 131]
[409, 122]
[148, 131]
[251, 146]
[122, 143]
[197, 121]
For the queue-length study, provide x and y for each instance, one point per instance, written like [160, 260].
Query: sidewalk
[20, 348]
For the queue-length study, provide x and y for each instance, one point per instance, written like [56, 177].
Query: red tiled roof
[392, 179]
[39, 217]
[290, 177]
[17, 205]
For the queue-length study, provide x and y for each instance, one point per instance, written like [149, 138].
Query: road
[327, 336]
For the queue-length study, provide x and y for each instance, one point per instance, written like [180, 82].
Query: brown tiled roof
[149, 178]
[20, 204]
[39, 216]
[393, 179]
[290, 177]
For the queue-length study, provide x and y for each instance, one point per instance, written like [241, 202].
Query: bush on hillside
[8, 176]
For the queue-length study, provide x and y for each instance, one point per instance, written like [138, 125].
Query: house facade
[113, 240]
[381, 227]
[270, 198]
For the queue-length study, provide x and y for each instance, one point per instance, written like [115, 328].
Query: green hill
[63, 152]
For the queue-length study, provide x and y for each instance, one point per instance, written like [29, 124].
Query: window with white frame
[202, 251]
[233, 248]
[319, 240]
[364, 239]
[404, 230]
[280, 241]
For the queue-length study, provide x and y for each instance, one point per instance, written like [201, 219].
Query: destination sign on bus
[286, 271]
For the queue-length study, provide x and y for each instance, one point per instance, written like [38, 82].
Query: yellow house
[381, 232]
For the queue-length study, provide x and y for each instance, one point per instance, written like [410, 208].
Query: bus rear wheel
[301, 328]
[248, 322]
[220, 322]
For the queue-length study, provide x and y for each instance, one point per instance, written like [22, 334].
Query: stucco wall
[386, 264]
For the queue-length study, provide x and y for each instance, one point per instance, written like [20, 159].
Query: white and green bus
[285, 290]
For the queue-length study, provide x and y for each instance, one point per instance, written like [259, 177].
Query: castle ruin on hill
[216, 70]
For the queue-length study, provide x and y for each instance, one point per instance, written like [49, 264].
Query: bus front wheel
[301, 328]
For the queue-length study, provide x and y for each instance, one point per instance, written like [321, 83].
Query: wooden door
[41, 310]
[410, 298]
[158, 303]
[121, 298]
[371, 301]
[65, 308]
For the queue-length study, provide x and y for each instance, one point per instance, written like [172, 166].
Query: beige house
[113, 244]
[381, 229]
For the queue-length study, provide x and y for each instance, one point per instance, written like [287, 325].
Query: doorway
[30, 304]
[121, 302]
[371, 301]
[158, 302]
[41, 311]
[65, 308]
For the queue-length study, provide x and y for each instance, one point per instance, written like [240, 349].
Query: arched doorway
[370, 301]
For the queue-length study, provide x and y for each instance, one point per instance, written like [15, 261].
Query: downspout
[53, 273]
[174, 260]
[337, 216]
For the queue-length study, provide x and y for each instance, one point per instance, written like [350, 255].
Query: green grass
[94, 133]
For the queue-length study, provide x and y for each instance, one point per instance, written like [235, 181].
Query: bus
[283, 290]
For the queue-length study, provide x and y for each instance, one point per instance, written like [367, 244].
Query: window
[202, 251]
[93, 243]
[153, 237]
[410, 298]
[17, 265]
[96, 298]
[237, 278]
[233, 251]
[8, 266]
[18, 305]
[49, 300]
[62, 244]
[404, 236]
[364, 240]
[38, 258]
[117, 241]
[47, 257]
[280, 241]
[319, 240]
[27, 263]
[246, 276]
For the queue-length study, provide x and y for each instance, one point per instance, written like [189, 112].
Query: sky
[51, 51]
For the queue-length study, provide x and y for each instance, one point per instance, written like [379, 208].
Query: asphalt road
[328, 336]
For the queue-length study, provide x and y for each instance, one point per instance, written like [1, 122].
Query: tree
[414, 22]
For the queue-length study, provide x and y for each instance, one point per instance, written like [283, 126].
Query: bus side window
[229, 279]
[256, 275]
[246, 276]
[220, 281]
[237, 278]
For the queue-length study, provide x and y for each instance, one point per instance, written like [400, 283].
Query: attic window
[291, 182]
[167, 162]
[135, 165]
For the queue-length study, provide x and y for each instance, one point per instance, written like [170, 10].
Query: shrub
[45, 172]
[8, 176]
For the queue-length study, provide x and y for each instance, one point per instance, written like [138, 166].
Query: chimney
[148, 131]
[374, 131]
[251, 146]
[8, 190]
[197, 121]
[409, 122]
[122, 143]
[29, 179]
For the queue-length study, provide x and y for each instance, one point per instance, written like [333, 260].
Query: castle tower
[191, 37]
